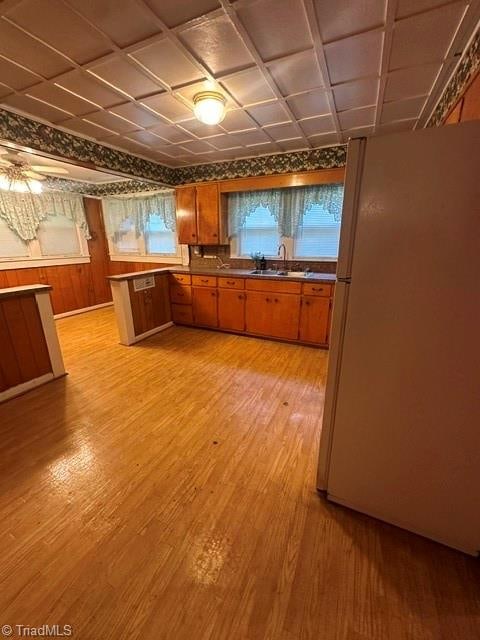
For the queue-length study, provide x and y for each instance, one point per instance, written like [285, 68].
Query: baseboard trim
[152, 332]
[83, 310]
[20, 389]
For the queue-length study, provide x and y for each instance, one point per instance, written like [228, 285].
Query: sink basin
[283, 274]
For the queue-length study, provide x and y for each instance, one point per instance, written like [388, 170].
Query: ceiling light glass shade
[209, 107]
[20, 186]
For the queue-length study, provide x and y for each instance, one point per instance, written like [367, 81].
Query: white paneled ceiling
[297, 74]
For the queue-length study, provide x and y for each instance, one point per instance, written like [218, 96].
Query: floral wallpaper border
[100, 190]
[30, 133]
[468, 66]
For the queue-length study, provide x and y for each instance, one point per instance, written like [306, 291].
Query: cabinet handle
[205, 281]
[276, 299]
[317, 288]
[267, 299]
[240, 297]
[214, 235]
[230, 281]
[214, 293]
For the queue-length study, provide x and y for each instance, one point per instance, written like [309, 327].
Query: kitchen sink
[284, 274]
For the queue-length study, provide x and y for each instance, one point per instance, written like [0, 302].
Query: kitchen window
[142, 228]
[306, 219]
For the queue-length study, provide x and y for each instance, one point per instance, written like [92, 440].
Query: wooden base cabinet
[314, 319]
[204, 305]
[231, 310]
[273, 314]
[150, 307]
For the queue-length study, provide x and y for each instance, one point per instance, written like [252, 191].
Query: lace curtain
[139, 209]
[287, 206]
[23, 212]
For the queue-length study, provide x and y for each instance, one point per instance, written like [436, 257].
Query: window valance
[23, 212]
[139, 209]
[288, 206]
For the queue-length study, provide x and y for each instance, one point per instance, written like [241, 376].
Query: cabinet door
[207, 214]
[314, 319]
[231, 309]
[186, 215]
[204, 302]
[258, 312]
[286, 316]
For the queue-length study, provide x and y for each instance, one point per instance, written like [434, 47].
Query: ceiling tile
[36, 108]
[395, 127]
[126, 77]
[312, 126]
[357, 118]
[344, 18]
[402, 109]
[282, 131]
[294, 144]
[168, 107]
[30, 53]
[306, 105]
[296, 73]
[167, 62]
[172, 150]
[217, 45]
[276, 28]
[269, 113]
[359, 132]
[85, 85]
[111, 121]
[132, 24]
[137, 115]
[237, 120]
[263, 149]
[249, 87]
[359, 93]
[60, 98]
[409, 7]
[200, 129]
[4, 90]
[426, 37]
[354, 57]
[414, 81]
[196, 146]
[85, 128]
[67, 32]
[226, 141]
[15, 76]
[249, 138]
[170, 133]
[323, 140]
[132, 146]
[145, 137]
[175, 12]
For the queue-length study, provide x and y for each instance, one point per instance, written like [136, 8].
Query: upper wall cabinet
[201, 215]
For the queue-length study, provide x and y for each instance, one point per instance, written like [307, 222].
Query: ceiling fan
[17, 174]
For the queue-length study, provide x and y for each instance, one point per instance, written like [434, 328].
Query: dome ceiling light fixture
[209, 107]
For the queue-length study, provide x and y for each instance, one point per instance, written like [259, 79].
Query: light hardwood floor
[167, 491]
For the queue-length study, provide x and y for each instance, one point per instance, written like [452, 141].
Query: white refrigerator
[401, 428]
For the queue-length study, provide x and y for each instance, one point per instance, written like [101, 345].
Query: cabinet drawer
[181, 294]
[273, 286]
[317, 289]
[182, 314]
[204, 281]
[183, 278]
[231, 283]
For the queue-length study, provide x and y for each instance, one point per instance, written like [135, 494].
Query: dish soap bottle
[263, 264]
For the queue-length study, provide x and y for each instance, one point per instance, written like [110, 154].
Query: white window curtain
[24, 212]
[288, 206]
[138, 210]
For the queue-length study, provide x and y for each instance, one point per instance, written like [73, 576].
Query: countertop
[225, 273]
[11, 292]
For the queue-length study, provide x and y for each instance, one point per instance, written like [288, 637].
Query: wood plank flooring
[167, 491]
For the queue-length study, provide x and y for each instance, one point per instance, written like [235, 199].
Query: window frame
[143, 256]
[37, 259]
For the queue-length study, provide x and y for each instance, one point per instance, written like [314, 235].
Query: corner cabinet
[201, 215]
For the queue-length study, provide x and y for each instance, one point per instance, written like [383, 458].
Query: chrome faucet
[285, 267]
